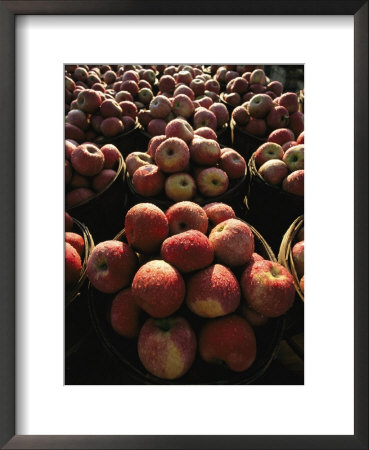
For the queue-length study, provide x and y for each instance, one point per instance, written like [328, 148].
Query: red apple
[148, 180]
[206, 133]
[172, 155]
[130, 86]
[273, 171]
[230, 340]
[167, 347]
[167, 83]
[221, 113]
[123, 96]
[128, 109]
[184, 90]
[180, 186]
[288, 145]
[268, 288]
[205, 118]
[198, 86]
[257, 77]
[205, 152]
[179, 128]
[260, 106]
[73, 265]
[213, 292]
[137, 159]
[294, 158]
[76, 241]
[146, 227]
[188, 251]
[218, 212]
[297, 122]
[156, 127]
[154, 143]
[87, 159]
[233, 98]
[111, 266]
[125, 314]
[111, 126]
[277, 118]
[276, 87]
[110, 108]
[212, 182]
[78, 118]
[233, 164]
[300, 139]
[89, 101]
[266, 152]
[281, 136]
[298, 251]
[103, 179]
[240, 115]
[74, 132]
[111, 155]
[256, 127]
[158, 288]
[186, 215]
[290, 101]
[77, 196]
[233, 242]
[294, 183]
[160, 107]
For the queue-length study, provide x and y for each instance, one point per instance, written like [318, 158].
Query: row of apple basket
[173, 234]
[105, 213]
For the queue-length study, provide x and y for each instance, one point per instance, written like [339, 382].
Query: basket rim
[121, 170]
[285, 251]
[147, 378]
[72, 293]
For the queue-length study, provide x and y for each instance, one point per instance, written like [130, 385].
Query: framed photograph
[42, 405]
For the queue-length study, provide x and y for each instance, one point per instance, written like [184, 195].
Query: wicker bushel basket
[111, 202]
[72, 293]
[245, 143]
[77, 323]
[294, 334]
[285, 252]
[234, 196]
[270, 209]
[124, 351]
[125, 142]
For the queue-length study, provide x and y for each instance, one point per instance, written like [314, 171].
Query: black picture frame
[8, 11]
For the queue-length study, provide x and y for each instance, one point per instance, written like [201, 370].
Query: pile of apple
[262, 114]
[102, 103]
[182, 162]
[225, 72]
[188, 94]
[183, 263]
[74, 249]
[280, 161]
[240, 88]
[88, 170]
